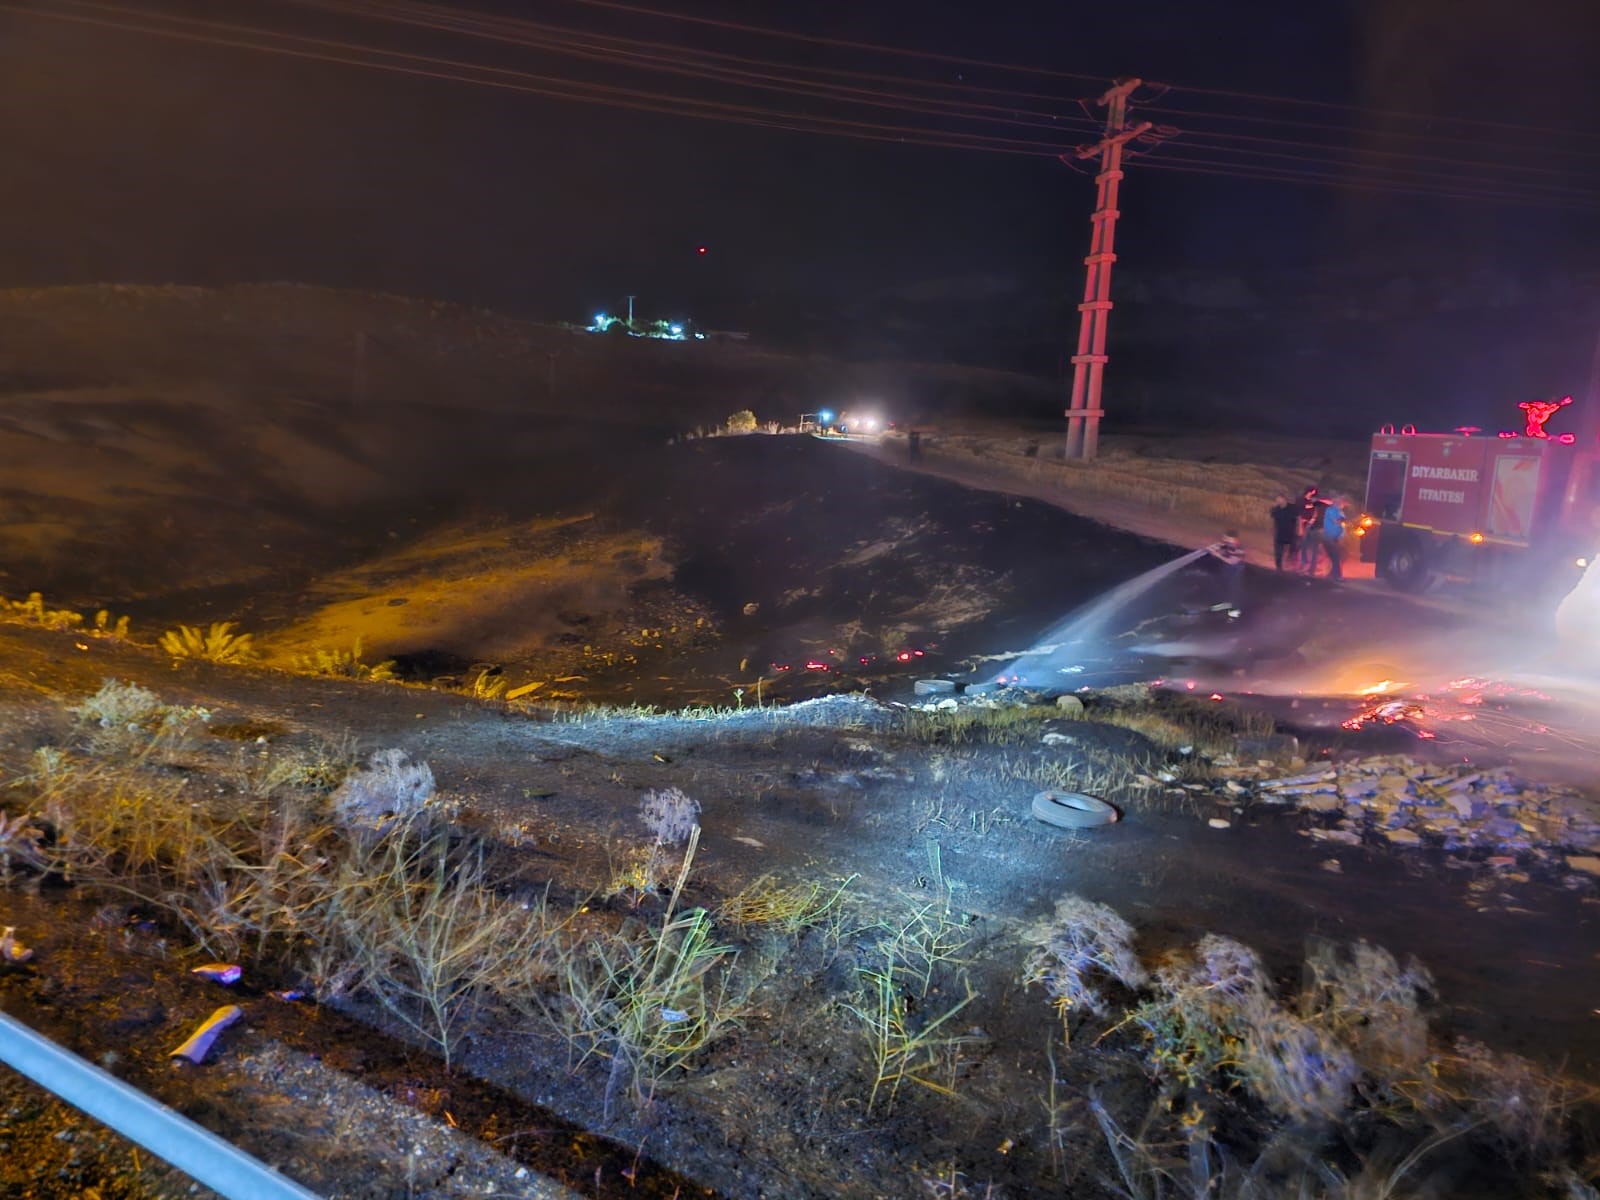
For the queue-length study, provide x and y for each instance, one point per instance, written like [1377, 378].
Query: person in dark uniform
[1285, 532]
[1311, 509]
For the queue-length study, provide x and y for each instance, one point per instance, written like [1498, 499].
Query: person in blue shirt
[1333, 523]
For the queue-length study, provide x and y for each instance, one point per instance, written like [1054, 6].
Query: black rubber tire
[1405, 564]
[1073, 810]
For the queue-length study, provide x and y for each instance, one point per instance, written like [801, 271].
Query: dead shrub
[390, 786]
[1084, 944]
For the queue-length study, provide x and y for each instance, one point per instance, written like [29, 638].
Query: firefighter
[1285, 532]
[1311, 508]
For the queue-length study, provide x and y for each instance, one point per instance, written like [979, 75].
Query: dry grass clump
[126, 719]
[1332, 1091]
[670, 816]
[1174, 721]
[650, 998]
[218, 644]
[390, 787]
[105, 626]
[33, 611]
[1001, 724]
[414, 922]
[791, 909]
[911, 962]
[343, 664]
[363, 887]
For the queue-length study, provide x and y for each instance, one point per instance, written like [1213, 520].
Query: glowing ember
[1386, 712]
[1382, 688]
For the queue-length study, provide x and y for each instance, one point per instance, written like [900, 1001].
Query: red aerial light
[701, 250]
[904, 656]
[1216, 695]
[917, 653]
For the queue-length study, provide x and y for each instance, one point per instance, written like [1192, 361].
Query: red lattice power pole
[1088, 364]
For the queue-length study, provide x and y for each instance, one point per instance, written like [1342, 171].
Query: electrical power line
[1213, 151]
[1253, 97]
[837, 43]
[1193, 166]
[698, 64]
[506, 79]
[1190, 115]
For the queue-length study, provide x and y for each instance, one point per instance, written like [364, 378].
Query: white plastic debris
[1219, 823]
[224, 973]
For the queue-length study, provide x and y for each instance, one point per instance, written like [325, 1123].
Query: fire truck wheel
[1073, 810]
[1405, 565]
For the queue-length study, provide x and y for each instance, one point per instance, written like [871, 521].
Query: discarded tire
[933, 687]
[1073, 810]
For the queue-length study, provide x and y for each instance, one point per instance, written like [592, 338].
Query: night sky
[137, 158]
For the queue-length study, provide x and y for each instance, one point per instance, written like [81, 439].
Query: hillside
[329, 467]
[275, 406]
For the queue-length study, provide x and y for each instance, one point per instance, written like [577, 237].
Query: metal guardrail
[195, 1151]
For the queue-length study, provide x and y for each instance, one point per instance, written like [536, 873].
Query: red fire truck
[1512, 509]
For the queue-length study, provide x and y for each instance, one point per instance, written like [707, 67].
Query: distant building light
[675, 330]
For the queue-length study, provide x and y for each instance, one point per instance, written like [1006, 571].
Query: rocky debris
[1459, 809]
[1070, 705]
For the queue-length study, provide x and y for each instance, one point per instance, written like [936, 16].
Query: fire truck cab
[1505, 509]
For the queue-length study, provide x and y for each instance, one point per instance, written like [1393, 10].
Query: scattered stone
[1403, 837]
[1462, 804]
[1070, 705]
[1332, 864]
[1219, 823]
[1587, 863]
[1344, 837]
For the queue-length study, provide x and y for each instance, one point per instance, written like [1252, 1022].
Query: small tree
[743, 421]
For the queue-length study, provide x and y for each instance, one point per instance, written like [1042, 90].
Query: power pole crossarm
[1088, 364]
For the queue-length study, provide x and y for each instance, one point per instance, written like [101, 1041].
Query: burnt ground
[831, 791]
[476, 524]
